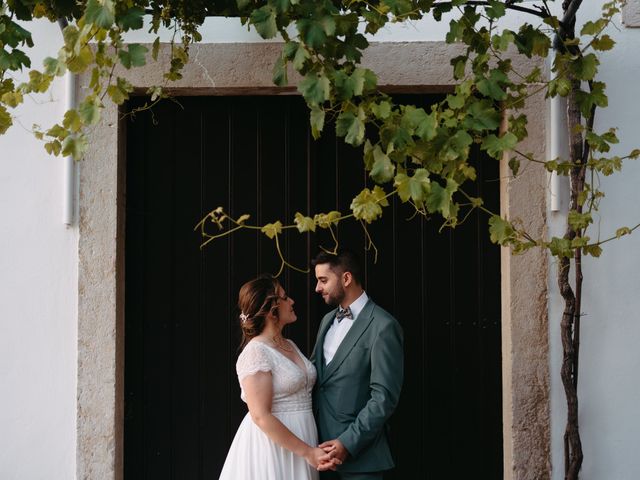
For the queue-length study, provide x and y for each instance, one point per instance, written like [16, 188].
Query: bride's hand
[319, 459]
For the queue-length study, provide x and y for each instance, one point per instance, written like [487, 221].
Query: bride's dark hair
[256, 299]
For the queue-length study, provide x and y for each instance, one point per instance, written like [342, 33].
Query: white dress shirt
[338, 330]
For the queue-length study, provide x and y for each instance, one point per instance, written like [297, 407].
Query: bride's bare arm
[258, 390]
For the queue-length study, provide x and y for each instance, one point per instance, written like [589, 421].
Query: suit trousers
[351, 476]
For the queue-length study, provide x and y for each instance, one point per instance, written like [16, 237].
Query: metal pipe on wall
[68, 163]
[555, 129]
[69, 166]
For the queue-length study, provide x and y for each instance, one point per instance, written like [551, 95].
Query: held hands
[321, 460]
[335, 452]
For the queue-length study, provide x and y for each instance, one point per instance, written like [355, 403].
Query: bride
[277, 439]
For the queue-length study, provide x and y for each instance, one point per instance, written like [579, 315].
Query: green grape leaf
[593, 28]
[243, 218]
[52, 66]
[5, 120]
[585, 67]
[622, 231]
[578, 221]
[514, 166]
[482, 116]
[495, 9]
[496, 145]
[560, 247]
[280, 72]
[381, 110]
[397, 7]
[382, 170]
[78, 62]
[343, 85]
[501, 42]
[101, 14]
[132, 19]
[12, 99]
[155, 48]
[298, 55]
[312, 32]
[317, 121]
[281, 5]
[74, 146]
[500, 230]
[119, 92]
[415, 188]
[264, 20]
[134, 56]
[412, 117]
[304, 224]
[272, 229]
[440, 199]
[38, 82]
[53, 147]
[492, 86]
[89, 111]
[60, 132]
[603, 43]
[367, 205]
[315, 88]
[72, 121]
[593, 250]
[325, 220]
[351, 126]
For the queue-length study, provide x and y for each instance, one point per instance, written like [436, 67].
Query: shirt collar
[358, 304]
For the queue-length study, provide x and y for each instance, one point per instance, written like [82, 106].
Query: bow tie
[344, 313]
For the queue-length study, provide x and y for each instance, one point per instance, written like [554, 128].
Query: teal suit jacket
[357, 392]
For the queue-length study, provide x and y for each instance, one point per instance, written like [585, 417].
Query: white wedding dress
[252, 455]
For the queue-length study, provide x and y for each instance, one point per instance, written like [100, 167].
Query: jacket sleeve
[387, 362]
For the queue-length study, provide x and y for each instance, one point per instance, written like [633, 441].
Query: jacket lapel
[355, 332]
[318, 350]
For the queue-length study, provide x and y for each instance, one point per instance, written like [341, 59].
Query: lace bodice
[291, 386]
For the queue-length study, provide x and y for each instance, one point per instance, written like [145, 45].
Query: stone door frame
[245, 69]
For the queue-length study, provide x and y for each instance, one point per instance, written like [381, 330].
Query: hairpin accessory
[243, 317]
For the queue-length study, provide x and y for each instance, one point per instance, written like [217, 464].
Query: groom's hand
[335, 449]
[329, 465]
[328, 462]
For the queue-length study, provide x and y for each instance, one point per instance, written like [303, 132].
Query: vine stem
[370, 243]
[570, 323]
[614, 236]
[284, 262]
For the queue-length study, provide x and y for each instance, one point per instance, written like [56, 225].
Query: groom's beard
[335, 299]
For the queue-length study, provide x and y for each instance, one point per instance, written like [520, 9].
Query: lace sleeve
[253, 359]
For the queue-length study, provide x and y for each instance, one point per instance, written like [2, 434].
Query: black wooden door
[255, 155]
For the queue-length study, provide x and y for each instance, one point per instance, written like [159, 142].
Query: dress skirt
[253, 456]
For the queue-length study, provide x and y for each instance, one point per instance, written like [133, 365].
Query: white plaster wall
[609, 391]
[39, 294]
[38, 297]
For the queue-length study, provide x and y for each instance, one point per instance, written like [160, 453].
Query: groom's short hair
[344, 260]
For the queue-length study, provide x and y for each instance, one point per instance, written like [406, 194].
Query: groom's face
[329, 284]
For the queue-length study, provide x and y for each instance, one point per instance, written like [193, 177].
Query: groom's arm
[387, 362]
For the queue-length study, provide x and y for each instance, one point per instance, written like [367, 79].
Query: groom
[359, 359]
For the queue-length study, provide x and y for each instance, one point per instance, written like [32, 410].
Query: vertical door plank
[185, 255]
[158, 288]
[219, 322]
